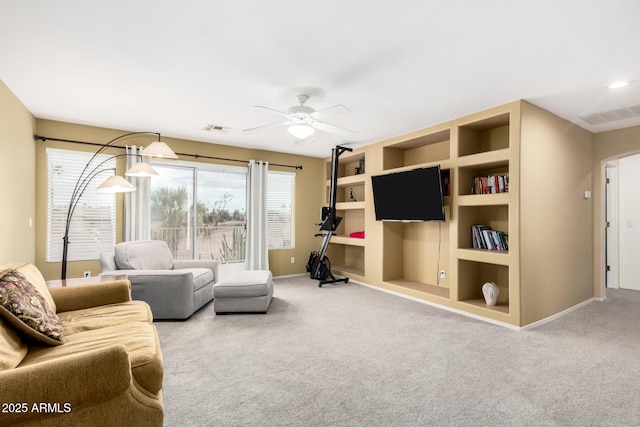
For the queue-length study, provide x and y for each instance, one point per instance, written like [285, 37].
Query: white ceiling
[176, 66]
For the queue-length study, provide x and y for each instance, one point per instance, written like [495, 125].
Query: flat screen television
[413, 195]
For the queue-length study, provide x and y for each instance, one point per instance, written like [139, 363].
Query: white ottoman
[243, 292]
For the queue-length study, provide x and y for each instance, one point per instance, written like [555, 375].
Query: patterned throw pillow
[23, 306]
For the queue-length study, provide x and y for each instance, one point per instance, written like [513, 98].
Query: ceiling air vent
[613, 115]
[215, 128]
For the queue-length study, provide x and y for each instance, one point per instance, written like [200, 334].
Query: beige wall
[309, 186]
[17, 186]
[555, 218]
[607, 146]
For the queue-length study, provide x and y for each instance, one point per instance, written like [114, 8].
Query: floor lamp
[113, 184]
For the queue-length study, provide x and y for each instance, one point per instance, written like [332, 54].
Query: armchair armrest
[211, 264]
[73, 382]
[79, 297]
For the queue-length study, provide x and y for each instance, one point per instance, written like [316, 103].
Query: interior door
[611, 228]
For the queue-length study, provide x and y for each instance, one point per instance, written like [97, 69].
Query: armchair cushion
[139, 338]
[88, 319]
[143, 255]
[23, 306]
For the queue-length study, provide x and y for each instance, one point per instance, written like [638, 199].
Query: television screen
[414, 195]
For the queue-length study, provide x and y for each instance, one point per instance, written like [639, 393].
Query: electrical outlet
[442, 274]
[87, 274]
[293, 260]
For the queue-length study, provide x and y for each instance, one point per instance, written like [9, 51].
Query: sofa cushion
[25, 308]
[12, 348]
[143, 255]
[139, 338]
[102, 316]
[201, 277]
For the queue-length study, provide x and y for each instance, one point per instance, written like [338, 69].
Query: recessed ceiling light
[618, 84]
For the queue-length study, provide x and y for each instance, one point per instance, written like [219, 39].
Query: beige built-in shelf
[407, 257]
[347, 253]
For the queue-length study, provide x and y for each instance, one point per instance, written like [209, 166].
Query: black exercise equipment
[319, 265]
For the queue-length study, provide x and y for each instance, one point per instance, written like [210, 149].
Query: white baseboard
[290, 275]
[557, 315]
[474, 316]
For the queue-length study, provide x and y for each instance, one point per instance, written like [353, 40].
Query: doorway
[622, 232]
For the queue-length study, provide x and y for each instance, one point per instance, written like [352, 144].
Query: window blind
[280, 213]
[93, 225]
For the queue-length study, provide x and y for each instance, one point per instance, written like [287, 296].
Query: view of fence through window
[201, 214]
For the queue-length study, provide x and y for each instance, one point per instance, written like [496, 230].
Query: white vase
[491, 292]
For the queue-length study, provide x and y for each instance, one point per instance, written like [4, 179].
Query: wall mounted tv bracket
[319, 265]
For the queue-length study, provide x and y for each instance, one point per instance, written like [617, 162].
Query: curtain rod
[197, 156]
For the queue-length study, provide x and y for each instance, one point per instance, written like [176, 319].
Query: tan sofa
[107, 371]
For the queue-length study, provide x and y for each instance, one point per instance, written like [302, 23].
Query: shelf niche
[472, 275]
[346, 259]
[343, 193]
[410, 257]
[430, 148]
[347, 164]
[496, 217]
[484, 135]
[466, 174]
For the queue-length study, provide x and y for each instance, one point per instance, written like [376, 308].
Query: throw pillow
[23, 306]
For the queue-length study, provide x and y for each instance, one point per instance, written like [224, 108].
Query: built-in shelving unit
[347, 253]
[437, 261]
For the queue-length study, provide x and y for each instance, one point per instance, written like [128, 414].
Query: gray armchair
[174, 289]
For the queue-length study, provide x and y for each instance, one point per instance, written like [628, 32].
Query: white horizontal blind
[280, 202]
[93, 225]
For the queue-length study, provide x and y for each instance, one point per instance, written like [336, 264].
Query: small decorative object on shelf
[483, 237]
[446, 186]
[491, 292]
[351, 196]
[490, 184]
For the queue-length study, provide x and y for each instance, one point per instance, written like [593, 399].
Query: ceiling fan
[302, 121]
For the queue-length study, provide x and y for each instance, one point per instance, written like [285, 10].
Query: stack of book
[490, 184]
[484, 237]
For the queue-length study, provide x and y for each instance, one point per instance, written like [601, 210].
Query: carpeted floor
[348, 355]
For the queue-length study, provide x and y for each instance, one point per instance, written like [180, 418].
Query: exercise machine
[319, 265]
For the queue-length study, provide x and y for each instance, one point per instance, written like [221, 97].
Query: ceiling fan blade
[282, 113]
[338, 130]
[265, 127]
[331, 111]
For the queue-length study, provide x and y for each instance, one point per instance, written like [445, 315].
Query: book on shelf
[490, 184]
[484, 237]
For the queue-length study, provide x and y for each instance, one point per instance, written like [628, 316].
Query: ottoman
[243, 292]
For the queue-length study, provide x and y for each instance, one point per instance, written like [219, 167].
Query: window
[93, 225]
[199, 210]
[280, 198]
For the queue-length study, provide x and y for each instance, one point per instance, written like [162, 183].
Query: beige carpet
[348, 355]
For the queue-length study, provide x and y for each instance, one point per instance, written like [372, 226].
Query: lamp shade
[301, 131]
[159, 149]
[141, 170]
[115, 184]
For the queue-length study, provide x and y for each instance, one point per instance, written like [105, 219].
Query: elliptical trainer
[319, 265]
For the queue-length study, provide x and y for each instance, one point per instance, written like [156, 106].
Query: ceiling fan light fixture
[301, 131]
[618, 84]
